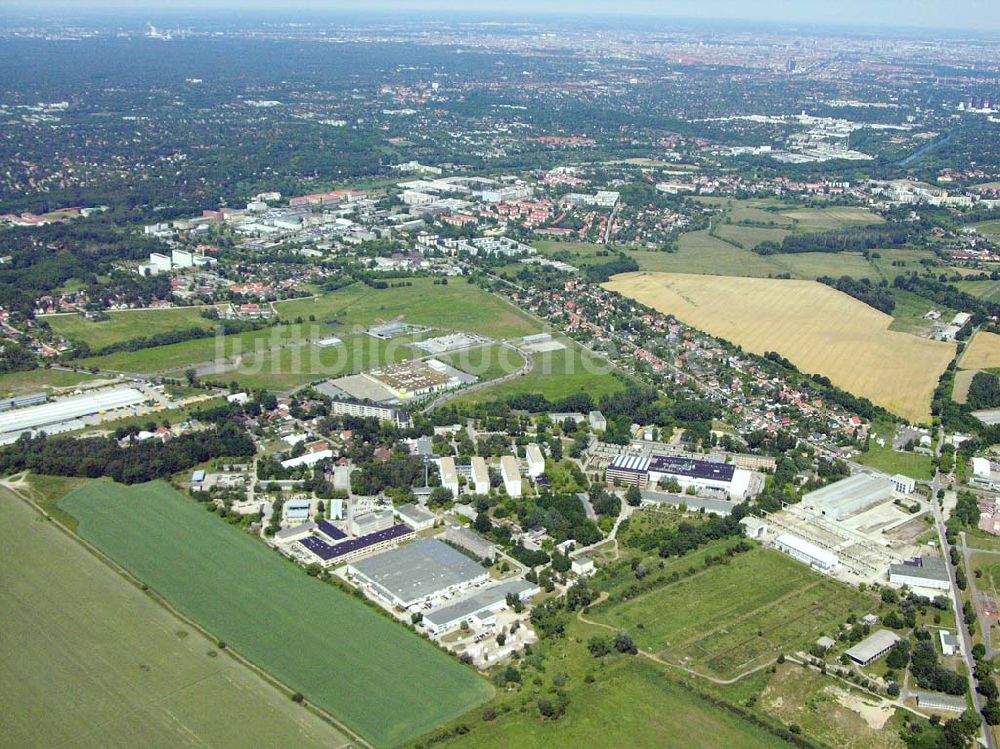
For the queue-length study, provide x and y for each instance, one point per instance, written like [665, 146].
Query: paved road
[956, 599]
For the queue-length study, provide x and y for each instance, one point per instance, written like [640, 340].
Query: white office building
[511, 475]
[480, 476]
[536, 460]
[449, 474]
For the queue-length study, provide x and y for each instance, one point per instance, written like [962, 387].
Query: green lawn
[749, 237]
[88, 660]
[457, 305]
[826, 219]
[385, 682]
[986, 290]
[126, 325]
[39, 380]
[891, 461]
[557, 374]
[910, 310]
[733, 617]
[990, 228]
[486, 362]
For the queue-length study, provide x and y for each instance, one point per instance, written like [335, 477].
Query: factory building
[511, 475]
[921, 572]
[424, 572]
[847, 497]
[479, 609]
[352, 549]
[449, 474]
[806, 552]
[415, 516]
[471, 541]
[903, 484]
[480, 476]
[701, 474]
[536, 460]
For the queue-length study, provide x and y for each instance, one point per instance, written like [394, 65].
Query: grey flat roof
[938, 701]
[477, 602]
[419, 569]
[926, 568]
[414, 513]
[872, 645]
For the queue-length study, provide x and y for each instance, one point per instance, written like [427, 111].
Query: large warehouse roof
[695, 469]
[37, 417]
[873, 645]
[807, 548]
[849, 496]
[477, 602]
[633, 463]
[418, 569]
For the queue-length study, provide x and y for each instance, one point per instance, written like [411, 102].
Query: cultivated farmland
[383, 681]
[88, 660]
[816, 327]
[983, 352]
[734, 617]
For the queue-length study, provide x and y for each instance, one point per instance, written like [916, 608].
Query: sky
[979, 15]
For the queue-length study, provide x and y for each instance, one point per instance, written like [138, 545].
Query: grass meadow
[383, 681]
[730, 618]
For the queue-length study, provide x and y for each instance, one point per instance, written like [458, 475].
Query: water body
[929, 147]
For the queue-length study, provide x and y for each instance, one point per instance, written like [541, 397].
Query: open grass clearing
[457, 305]
[963, 381]
[834, 217]
[127, 324]
[629, 705]
[749, 237]
[733, 617]
[41, 380]
[891, 461]
[982, 352]
[908, 314]
[558, 374]
[816, 327]
[380, 679]
[88, 660]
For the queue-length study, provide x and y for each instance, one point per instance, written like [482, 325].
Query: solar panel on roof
[330, 530]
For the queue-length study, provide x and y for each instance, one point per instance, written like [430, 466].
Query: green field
[486, 362]
[39, 380]
[558, 374]
[383, 681]
[630, 705]
[989, 228]
[988, 291]
[734, 617]
[909, 313]
[458, 305]
[891, 461]
[826, 219]
[88, 660]
[127, 324]
[749, 237]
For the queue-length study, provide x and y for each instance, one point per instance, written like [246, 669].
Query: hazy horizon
[974, 15]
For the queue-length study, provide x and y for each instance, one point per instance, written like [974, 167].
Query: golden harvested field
[819, 329]
[983, 352]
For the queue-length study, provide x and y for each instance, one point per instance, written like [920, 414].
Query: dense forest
[878, 295]
[94, 457]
